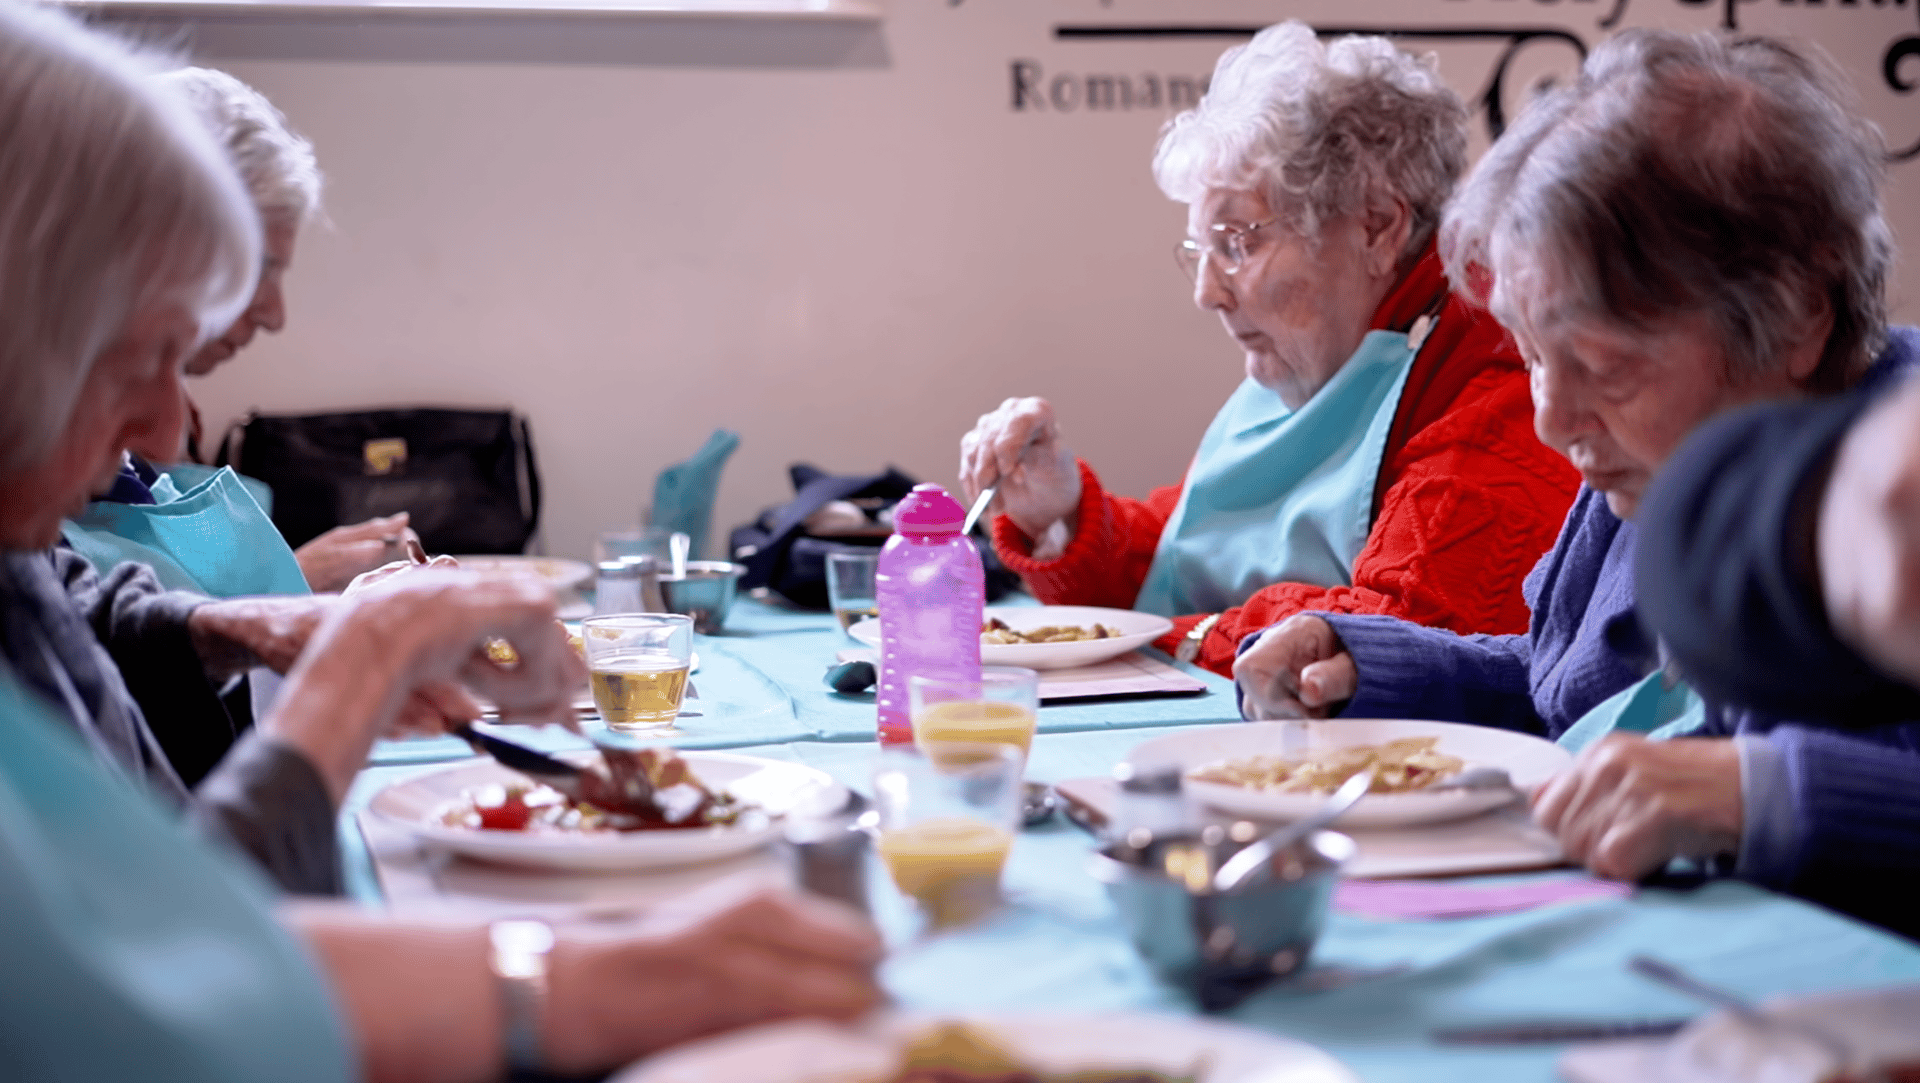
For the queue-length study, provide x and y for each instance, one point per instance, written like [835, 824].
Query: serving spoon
[1244, 867]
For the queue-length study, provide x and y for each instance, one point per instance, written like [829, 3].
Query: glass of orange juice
[947, 820]
[1002, 707]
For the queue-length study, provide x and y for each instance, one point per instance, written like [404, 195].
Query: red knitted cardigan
[1466, 502]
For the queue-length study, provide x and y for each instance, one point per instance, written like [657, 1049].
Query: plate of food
[563, 574]
[1003, 1048]
[1051, 636]
[480, 809]
[1284, 770]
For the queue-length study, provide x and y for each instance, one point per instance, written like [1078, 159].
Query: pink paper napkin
[1406, 899]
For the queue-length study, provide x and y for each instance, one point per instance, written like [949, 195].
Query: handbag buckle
[385, 455]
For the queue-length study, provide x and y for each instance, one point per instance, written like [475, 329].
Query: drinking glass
[633, 541]
[947, 821]
[638, 666]
[850, 587]
[1002, 707]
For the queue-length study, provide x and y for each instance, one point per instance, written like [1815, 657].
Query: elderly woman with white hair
[125, 242]
[1692, 224]
[1378, 457]
[205, 529]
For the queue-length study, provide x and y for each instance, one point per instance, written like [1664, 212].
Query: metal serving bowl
[1224, 946]
[705, 593]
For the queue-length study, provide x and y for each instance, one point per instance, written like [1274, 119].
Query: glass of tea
[947, 821]
[637, 664]
[850, 586]
[1002, 707]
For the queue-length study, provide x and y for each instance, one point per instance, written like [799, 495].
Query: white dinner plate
[777, 787]
[562, 573]
[1136, 630]
[1528, 759]
[816, 1052]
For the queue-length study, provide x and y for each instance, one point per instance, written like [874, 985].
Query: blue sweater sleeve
[1407, 670]
[1858, 808]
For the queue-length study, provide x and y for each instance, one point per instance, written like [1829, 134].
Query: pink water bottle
[931, 592]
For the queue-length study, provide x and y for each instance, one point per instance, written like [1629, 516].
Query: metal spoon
[1476, 778]
[979, 506]
[677, 547]
[1256, 859]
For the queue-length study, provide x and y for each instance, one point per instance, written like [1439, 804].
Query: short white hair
[1686, 174]
[277, 165]
[1321, 131]
[114, 203]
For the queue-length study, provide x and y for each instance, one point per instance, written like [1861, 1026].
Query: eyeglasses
[1226, 247]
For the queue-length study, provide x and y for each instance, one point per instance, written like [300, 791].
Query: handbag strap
[822, 490]
[525, 432]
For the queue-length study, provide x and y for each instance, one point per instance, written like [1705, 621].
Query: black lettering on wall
[1066, 93]
[1900, 50]
[1026, 85]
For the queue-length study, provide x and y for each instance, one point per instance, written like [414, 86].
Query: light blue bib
[133, 951]
[1278, 495]
[213, 538]
[1649, 707]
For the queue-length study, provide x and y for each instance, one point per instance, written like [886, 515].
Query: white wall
[844, 243]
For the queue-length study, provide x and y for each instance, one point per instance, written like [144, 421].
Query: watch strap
[518, 958]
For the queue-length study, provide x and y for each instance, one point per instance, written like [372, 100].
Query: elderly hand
[1018, 447]
[1629, 805]
[705, 963]
[420, 633]
[331, 560]
[1868, 535]
[1296, 669]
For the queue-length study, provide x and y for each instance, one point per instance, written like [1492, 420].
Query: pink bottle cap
[928, 510]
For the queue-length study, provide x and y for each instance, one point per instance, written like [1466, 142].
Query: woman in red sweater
[1380, 456]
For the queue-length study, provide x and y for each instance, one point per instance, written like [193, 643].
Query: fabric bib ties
[1278, 495]
[1655, 707]
[213, 538]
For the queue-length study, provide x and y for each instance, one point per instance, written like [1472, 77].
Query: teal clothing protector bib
[1278, 495]
[213, 538]
[134, 951]
[1650, 707]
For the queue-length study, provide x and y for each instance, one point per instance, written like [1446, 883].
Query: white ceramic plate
[416, 803]
[1136, 630]
[815, 1052]
[556, 570]
[1528, 759]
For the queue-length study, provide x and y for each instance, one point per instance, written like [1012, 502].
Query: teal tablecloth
[1375, 988]
[761, 682]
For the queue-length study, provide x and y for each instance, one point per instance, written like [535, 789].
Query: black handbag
[466, 478]
[780, 555]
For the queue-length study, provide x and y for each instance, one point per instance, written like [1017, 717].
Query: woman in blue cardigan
[1693, 224]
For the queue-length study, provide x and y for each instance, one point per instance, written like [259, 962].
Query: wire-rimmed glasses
[1226, 248]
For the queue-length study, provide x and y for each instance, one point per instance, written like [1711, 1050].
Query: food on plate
[1399, 766]
[650, 789]
[996, 630]
[501, 653]
[962, 1053]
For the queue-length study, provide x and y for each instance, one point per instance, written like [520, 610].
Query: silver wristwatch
[1189, 647]
[519, 962]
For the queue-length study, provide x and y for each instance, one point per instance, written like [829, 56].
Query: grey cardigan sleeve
[261, 797]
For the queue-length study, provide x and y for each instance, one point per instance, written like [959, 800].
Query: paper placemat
[1132, 674]
[1504, 840]
[418, 878]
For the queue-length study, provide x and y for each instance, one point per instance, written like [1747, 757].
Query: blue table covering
[761, 682]
[1375, 988]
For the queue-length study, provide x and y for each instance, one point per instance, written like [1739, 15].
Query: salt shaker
[616, 589]
[829, 855]
[1152, 805]
[647, 568]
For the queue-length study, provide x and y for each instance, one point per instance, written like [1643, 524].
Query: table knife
[1544, 1032]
